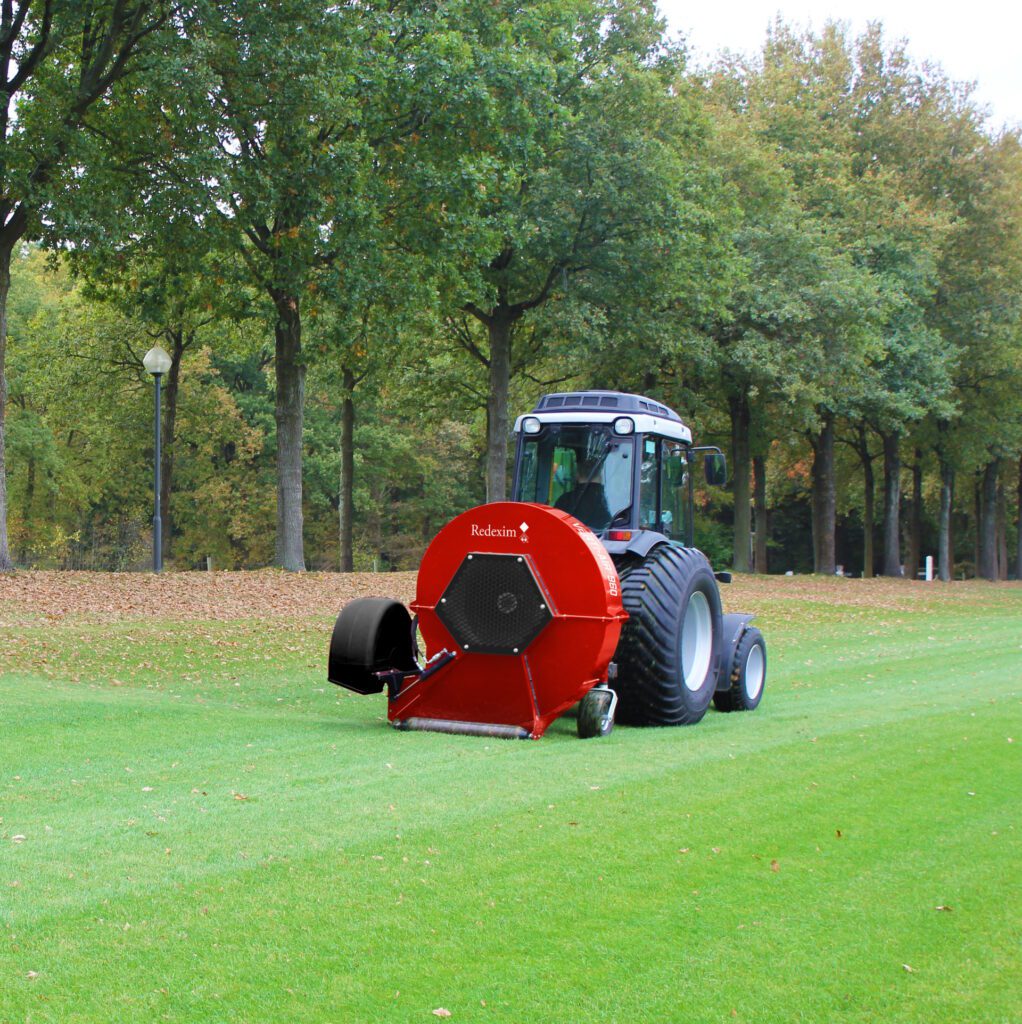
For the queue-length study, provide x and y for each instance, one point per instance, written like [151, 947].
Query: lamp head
[157, 361]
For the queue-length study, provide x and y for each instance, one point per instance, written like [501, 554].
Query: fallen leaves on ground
[26, 597]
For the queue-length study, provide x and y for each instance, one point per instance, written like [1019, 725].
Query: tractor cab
[525, 613]
[619, 463]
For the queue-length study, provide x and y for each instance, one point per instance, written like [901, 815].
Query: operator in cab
[587, 499]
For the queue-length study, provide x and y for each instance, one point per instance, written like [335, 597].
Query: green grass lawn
[213, 833]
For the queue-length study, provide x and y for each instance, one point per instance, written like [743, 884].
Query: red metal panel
[570, 654]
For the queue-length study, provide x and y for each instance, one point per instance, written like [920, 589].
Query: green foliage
[409, 485]
[713, 539]
[221, 454]
[824, 231]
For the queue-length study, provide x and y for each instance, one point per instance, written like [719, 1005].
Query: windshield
[584, 470]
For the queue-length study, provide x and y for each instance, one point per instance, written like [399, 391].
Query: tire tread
[734, 698]
[651, 691]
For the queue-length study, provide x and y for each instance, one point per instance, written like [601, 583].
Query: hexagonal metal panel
[493, 605]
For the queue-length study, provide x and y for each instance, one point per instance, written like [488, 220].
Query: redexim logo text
[493, 531]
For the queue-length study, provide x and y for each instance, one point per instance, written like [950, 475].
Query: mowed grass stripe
[248, 753]
[76, 739]
[557, 887]
[513, 897]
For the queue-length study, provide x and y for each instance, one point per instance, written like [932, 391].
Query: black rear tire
[747, 675]
[670, 649]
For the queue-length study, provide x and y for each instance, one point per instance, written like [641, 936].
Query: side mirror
[715, 467]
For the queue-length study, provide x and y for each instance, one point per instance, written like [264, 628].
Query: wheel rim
[696, 641]
[754, 670]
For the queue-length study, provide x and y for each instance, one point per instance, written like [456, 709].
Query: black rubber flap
[372, 634]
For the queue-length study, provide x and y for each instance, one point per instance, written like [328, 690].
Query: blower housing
[519, 606]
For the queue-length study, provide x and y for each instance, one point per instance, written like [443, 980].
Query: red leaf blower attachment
[520, 609]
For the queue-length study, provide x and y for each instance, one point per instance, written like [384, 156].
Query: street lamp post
[157, 362]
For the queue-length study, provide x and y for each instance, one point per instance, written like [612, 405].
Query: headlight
[624, 425]
[531, 425]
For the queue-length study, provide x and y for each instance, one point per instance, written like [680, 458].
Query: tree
[796, 100]
[1018, 520]
[798, 293]
[595, 205]
[368, 323]
[321, 136]
[33, 446]
[59, 59]
[981, 313]
[270, 140]
[81, 407]
[899, 115]
[858, 128]
[173, 300]
[744, 357]
[80, 490]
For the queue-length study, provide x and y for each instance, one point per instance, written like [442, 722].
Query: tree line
[366, 234]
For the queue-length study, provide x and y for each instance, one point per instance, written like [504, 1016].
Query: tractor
[584, 592]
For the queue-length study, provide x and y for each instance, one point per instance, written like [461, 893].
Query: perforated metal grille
[494, 605]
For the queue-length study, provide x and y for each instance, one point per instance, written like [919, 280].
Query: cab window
[649, 485]
[583, 470]
[673, 478]
[662, 487]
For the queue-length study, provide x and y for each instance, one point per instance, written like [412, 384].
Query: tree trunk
[824, 498]
[497, 424]
[915, 522]
[987, 524]
[346, 498]
[1002, 532]
[868, 503]
[868, 519]
[892, 501]
[977, 507]
[1018, 538]
[289, 414]
[170, 394]
[5, 286]
[739, 405]
[30, 497]
[945, 547]
[760, 501]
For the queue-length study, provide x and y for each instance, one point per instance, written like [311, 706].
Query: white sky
[979, 42]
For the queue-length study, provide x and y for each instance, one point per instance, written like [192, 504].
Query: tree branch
[463, 336]
[30, 62]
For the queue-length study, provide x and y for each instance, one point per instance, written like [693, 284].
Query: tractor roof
[605, 401]
[606, 406]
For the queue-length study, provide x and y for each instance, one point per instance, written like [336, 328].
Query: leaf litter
[34, 597]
